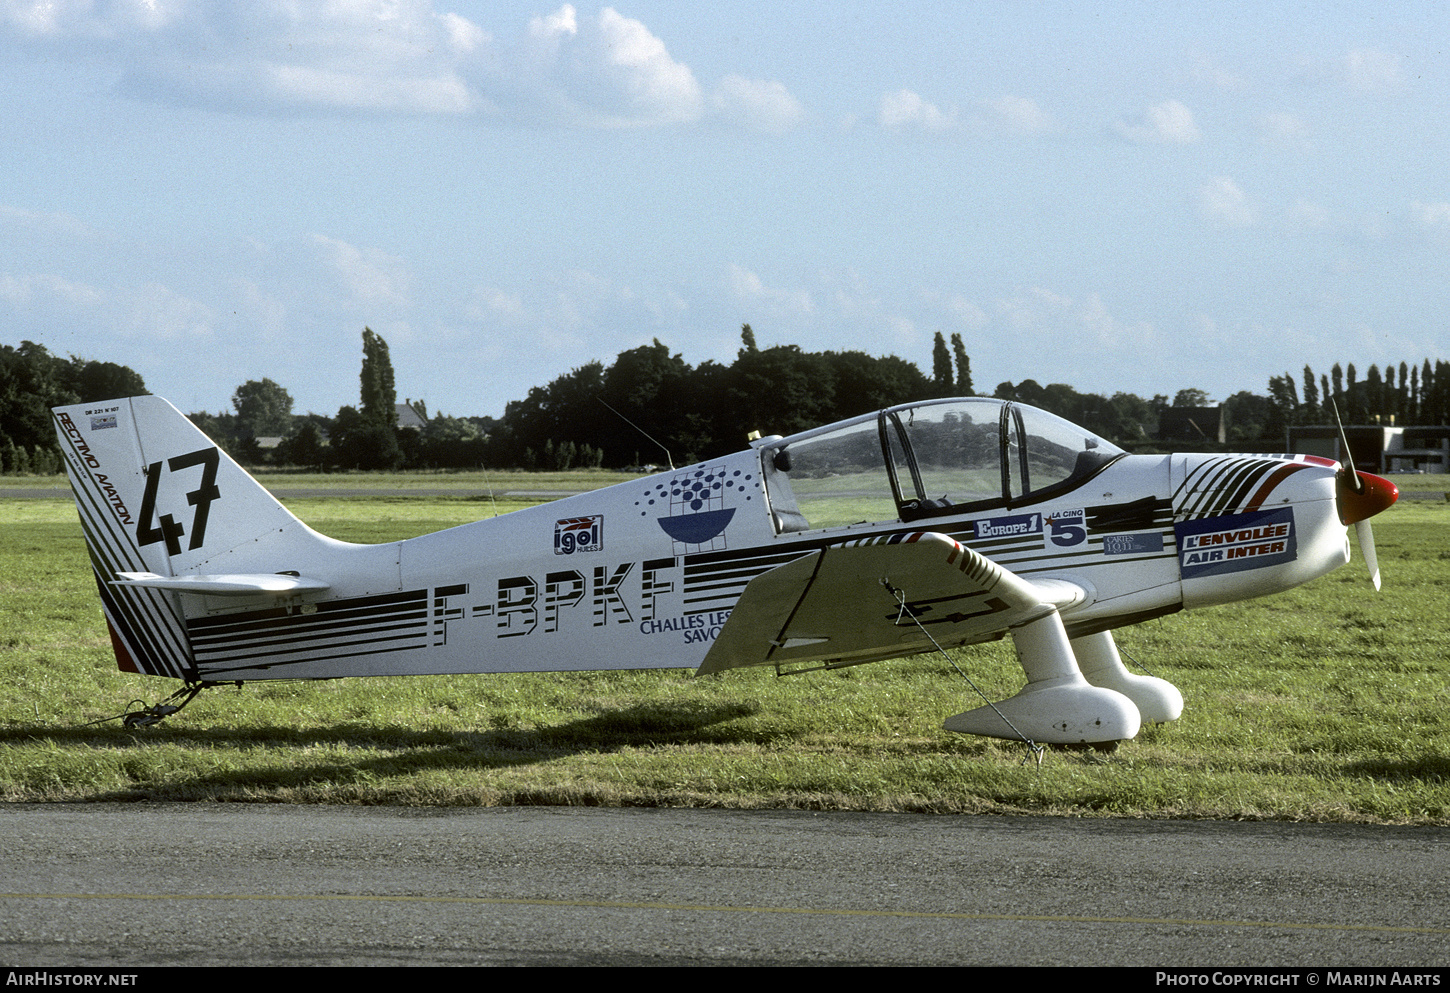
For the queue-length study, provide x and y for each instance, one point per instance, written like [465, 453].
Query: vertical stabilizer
[158, 497]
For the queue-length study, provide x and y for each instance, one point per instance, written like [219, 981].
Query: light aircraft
[941, 523]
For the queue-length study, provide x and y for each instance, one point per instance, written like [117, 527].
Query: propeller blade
[1359, 496]
[1346, 461]
[1366, 548]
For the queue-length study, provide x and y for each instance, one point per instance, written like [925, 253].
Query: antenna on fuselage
[668, 458]
[487, 481]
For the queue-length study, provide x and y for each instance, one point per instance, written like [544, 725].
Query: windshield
[925, 460]
[983, 451]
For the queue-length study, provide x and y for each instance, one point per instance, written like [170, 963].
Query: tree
[964, 367]
[1353, 408]
[781, 390]
[360, 443]
[303, 448]
[566, 409]
[864, 382]
[1283, 399]
[452, 443]
[379, 397]
[649, 392]
[1136, 417]
[31, 382]
[1374, 393]
[1190, 398]
[264, 409]
[941, 367]
[104, 381]
[1249, 416]
[368, 438]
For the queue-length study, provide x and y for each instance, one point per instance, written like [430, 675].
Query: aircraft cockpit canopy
[925, 460]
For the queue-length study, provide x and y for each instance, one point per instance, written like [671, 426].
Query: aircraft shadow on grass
[407, 749]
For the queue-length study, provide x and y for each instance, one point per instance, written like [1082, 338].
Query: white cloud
[369, 276]
[748, 287]
[1167, 123]
[1034, 310]
[463, 34]
[394, 56]
[158, 310]
[152, 309]
[1431, 216]
[556, 25]
[88, 18]
[307, 85]
[655, 86]
[905, 109]
[966, 311]
[570, 68]
[490, 302]
[1019, 114]
[1372, 70]
[54, 224]
[1107, 331]
[1304, 215]
[46, 289]
[604, 71]
[388, 56]
[562, 313]
[758, 104]
[1284, 130]
[1207, 70]
[259, 309]
[1065, 325]
[1224, 205]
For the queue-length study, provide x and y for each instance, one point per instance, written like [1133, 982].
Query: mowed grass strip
[1326, 703]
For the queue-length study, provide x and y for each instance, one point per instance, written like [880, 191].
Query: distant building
[1377, 448]
[408, 417]
[1192, 424]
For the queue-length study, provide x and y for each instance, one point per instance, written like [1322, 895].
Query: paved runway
[217, 884]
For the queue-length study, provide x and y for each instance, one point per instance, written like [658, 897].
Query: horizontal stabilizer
[239, 584]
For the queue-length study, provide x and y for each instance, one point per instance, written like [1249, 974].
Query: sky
[1136, 197]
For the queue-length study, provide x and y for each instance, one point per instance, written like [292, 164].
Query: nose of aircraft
[1361, 495]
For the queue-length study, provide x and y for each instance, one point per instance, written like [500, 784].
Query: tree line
[262, 430]
[651, 408]
[1417, 395]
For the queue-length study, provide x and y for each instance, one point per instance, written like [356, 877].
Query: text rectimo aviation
[943, 523]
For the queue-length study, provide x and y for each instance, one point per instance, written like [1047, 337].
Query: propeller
[1359, 496]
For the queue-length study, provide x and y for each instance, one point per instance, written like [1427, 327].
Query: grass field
[1325, 703]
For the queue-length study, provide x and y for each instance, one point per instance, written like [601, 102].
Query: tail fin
[148, 486]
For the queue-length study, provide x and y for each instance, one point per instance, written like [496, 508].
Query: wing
[861, 601]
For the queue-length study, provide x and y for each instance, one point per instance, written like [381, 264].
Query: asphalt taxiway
[224, 884]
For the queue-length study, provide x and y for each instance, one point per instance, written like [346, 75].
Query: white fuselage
[644, 574]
